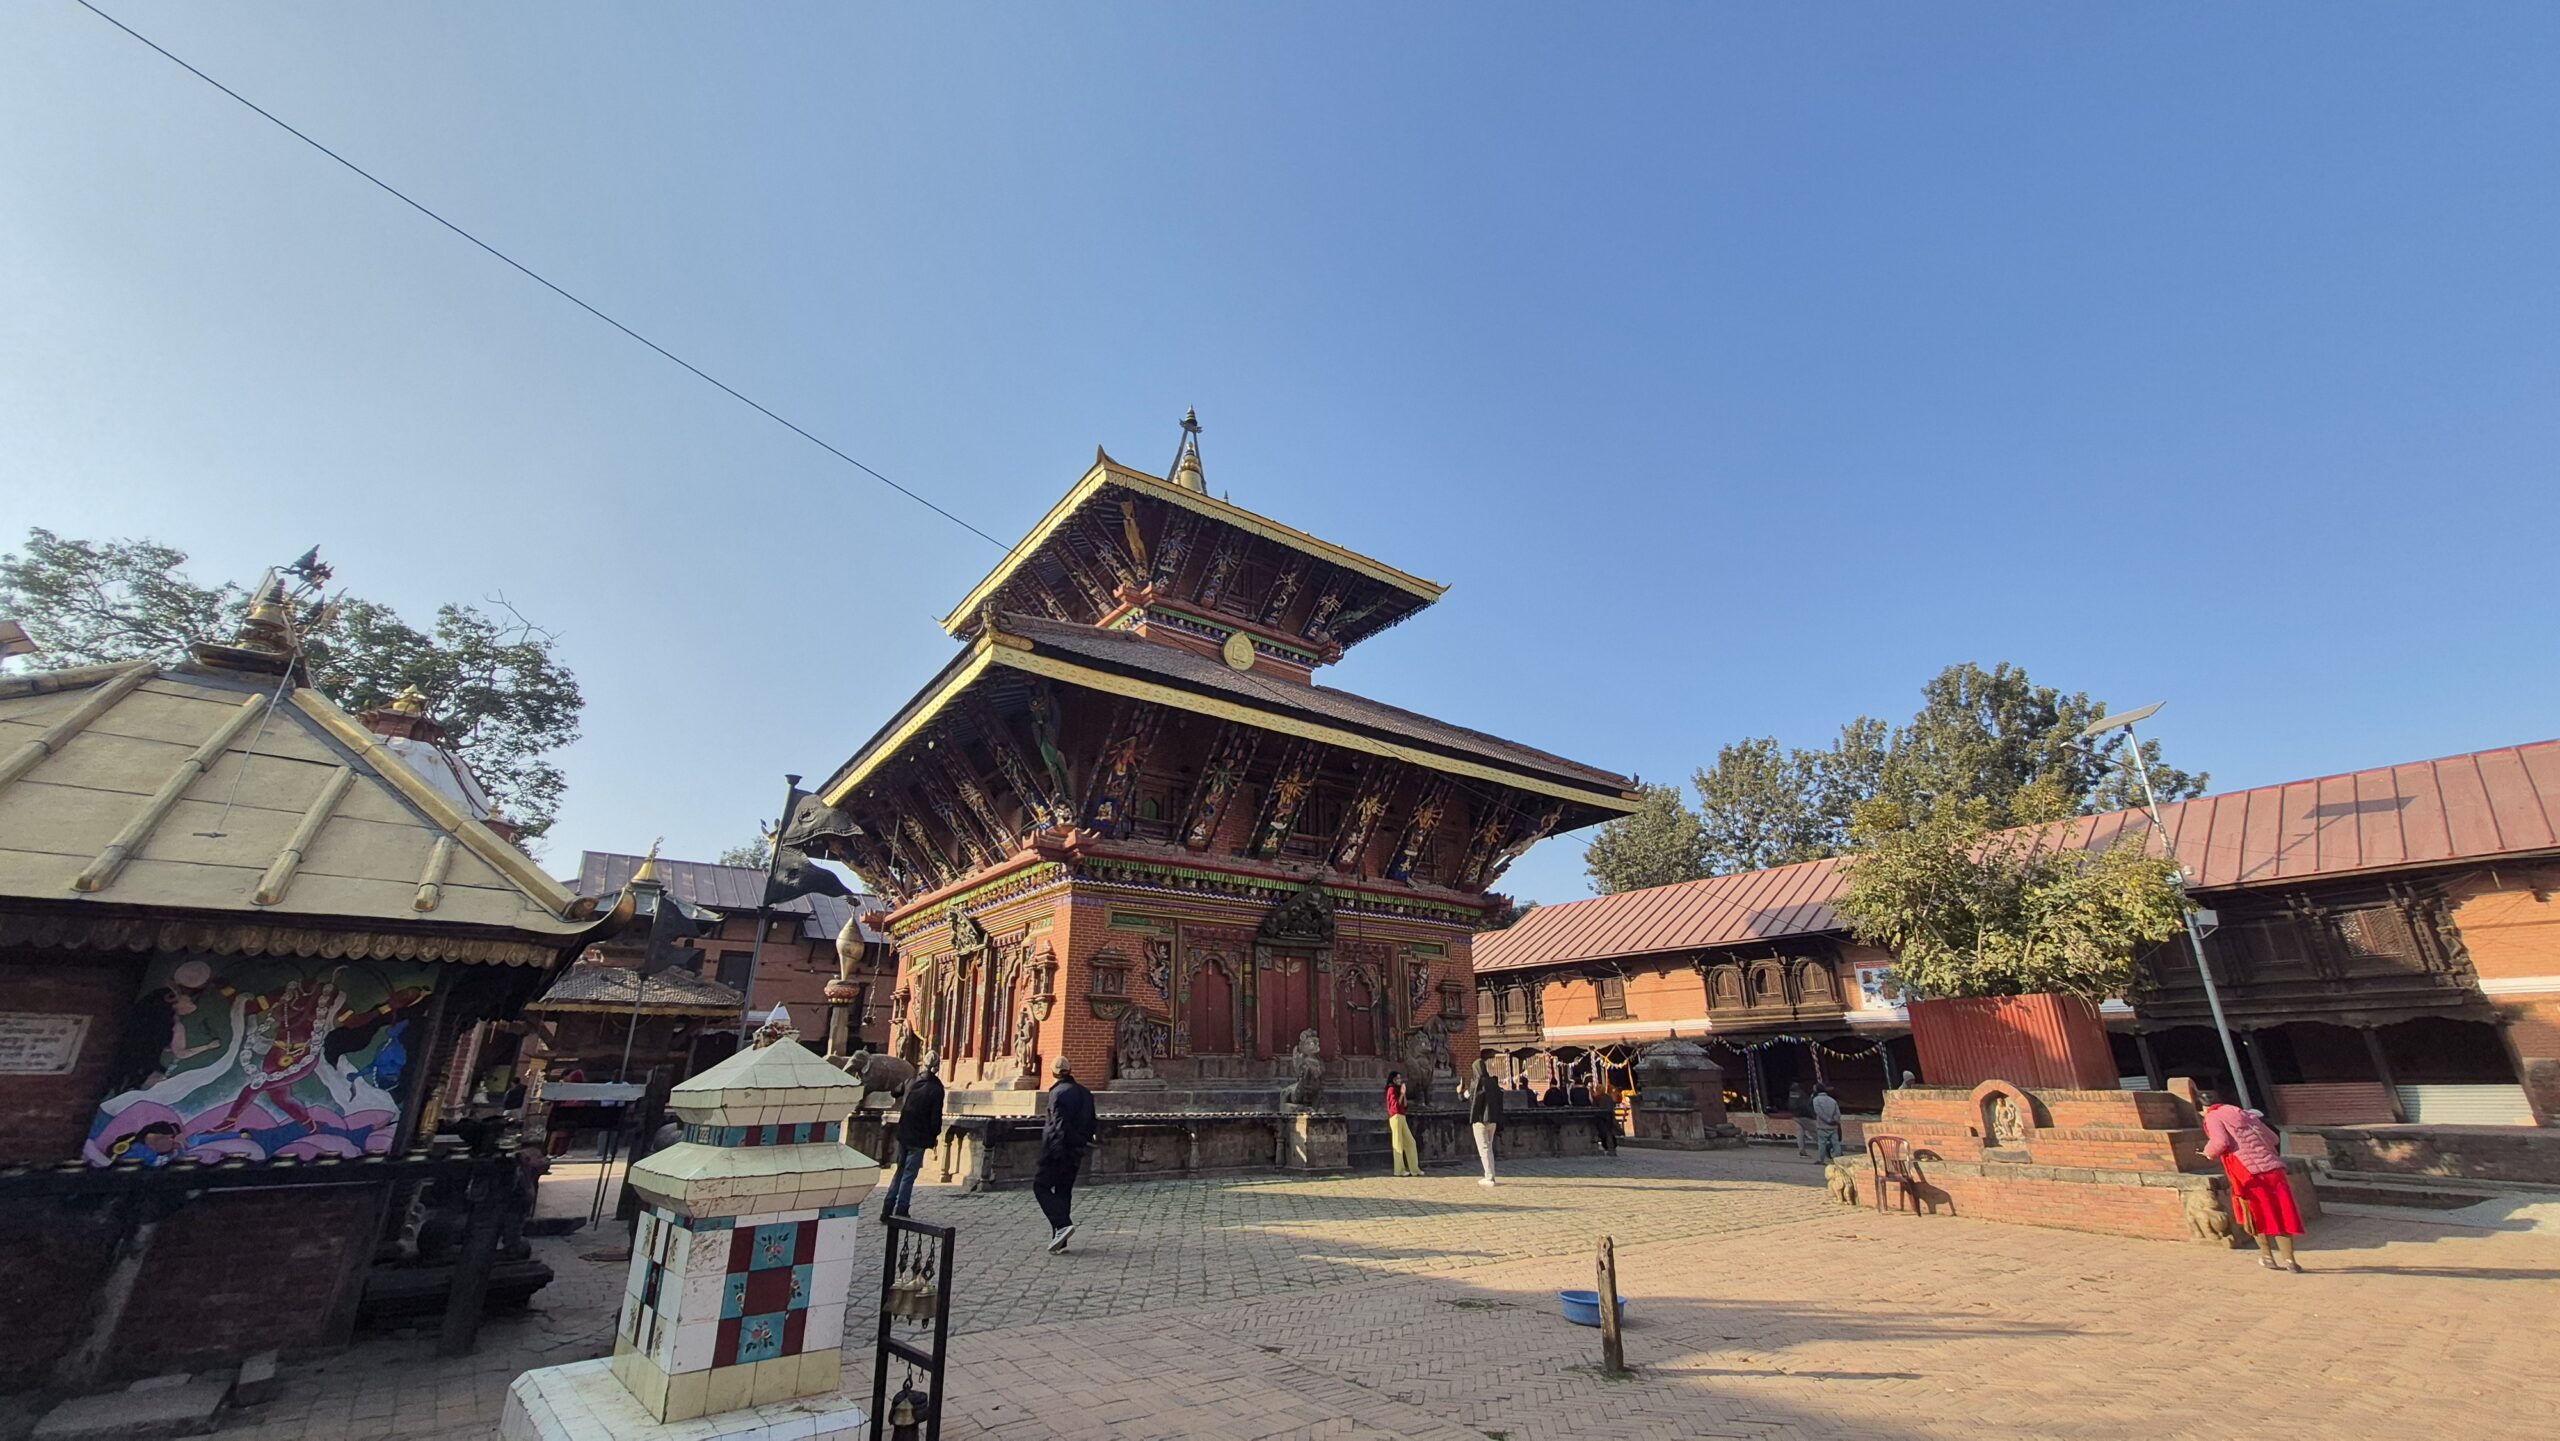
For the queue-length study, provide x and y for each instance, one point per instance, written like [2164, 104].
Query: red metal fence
[2029, 1041]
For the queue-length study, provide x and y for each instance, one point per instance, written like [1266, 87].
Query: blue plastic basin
[1582, 1308]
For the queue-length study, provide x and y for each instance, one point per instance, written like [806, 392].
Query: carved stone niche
[1109, 992]
[2007, 1120]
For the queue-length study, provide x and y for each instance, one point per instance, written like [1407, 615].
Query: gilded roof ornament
[410, 701]
[1186, 464]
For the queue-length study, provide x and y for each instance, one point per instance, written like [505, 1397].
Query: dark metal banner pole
[764, 912]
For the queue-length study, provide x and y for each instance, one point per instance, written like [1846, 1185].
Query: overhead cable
[394, 192]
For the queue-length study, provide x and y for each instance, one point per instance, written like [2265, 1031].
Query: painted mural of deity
[263, 1059]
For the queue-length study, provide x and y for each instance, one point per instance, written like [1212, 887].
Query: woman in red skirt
[2261, 1193]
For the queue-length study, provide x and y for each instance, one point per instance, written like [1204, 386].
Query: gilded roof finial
[648, 872]
[1186, 465]
[410, 701]
[265, 640]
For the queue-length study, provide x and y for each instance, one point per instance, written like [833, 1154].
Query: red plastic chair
[1889, 1162]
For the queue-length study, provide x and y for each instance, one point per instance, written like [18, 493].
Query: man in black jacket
[919, 1131]
[1062, 1141]
[1484, 1113]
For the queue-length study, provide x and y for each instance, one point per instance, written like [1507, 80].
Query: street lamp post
[2178, 878]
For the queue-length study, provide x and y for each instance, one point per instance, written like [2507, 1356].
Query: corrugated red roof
[2479, 806]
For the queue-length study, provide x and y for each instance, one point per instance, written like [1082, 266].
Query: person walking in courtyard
[919, 1131]
[1484, 1114]
[2253, 1157]
[1826, 1124]
[1400, 1128]
[1063, 1138]
[1800, 1106]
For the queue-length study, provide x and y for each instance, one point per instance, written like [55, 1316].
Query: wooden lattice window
[1613, 997]
[2380, 931]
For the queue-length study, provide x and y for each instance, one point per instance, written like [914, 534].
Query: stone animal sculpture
[2206, 1218]
[881, 1076]
[1843, 1182]
[1421, 1066]
[1306, 1072]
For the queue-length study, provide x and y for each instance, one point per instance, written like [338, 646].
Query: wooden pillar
[2266, 1086]
[2382, 1073]
[2150, 1061]
[477, 1257]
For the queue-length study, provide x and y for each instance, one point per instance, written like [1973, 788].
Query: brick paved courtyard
[1373, 1307]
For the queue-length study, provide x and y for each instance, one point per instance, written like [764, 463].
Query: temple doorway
[1359, 1023]
[1284, 1001]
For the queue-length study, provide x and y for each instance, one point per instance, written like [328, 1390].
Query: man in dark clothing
[919, 1131]
[1484, 1113]
[1062, 1141]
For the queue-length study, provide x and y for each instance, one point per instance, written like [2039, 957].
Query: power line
[530, 273]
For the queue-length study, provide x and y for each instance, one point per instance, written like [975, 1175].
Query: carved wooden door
[1359, 1023]
[1212, 1014]
[1283, 1001]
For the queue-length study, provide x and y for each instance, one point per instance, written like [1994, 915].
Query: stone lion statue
[1306, 1072]
[1843, 1182]
[1420, 1064]
[2206, 1218]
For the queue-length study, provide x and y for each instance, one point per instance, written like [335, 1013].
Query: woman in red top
[2253, 1158]
[1400, 1130]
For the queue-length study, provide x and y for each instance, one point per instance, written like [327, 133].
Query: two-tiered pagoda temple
[1125, 825]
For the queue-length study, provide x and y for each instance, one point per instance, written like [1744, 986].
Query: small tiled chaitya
[743, 1258]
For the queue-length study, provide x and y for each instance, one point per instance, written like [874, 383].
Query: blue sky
[1738, 367]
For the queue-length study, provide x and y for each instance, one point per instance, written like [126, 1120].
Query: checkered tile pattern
[722, 1291]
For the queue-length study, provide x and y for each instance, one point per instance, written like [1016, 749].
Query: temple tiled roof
[730, 890]
[1095, 492]
[1123, 652]
[2484, 805]
[602, 986]
[220, 797]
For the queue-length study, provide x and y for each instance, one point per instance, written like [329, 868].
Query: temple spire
[1186, 462]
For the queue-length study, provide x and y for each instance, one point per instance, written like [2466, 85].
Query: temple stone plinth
[740, 1268]
[1680, 1099]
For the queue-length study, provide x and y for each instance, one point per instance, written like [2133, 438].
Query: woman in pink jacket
[2251, 1155]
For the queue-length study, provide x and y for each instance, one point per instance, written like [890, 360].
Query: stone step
[2434, 1193]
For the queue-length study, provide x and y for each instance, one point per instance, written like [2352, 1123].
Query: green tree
[1970, 909]
[1989, 735]
[752, 857]
[1659, 843]
[492, 680]
[1761, 806]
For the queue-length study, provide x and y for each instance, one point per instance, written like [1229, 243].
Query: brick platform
[2118, 1163]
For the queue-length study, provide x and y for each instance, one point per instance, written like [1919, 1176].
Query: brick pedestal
[2121, 1163]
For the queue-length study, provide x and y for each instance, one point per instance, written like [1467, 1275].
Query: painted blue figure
[391, 1060]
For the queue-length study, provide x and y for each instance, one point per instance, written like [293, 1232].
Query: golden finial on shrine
[410, 701]
[1186, 465]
